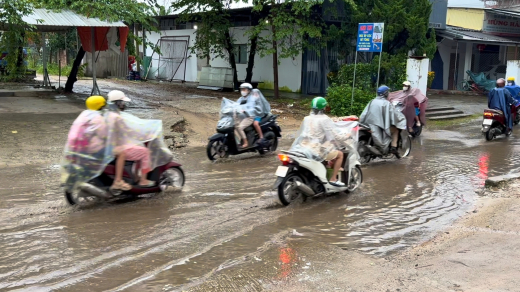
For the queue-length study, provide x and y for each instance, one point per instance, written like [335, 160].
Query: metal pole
[95, 89]
[59, 73]
[354, 80]
[379, 68]
[455, 73]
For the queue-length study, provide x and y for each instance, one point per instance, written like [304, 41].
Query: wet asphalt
[226, 231]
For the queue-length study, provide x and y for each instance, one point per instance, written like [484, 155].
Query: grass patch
[453, 122]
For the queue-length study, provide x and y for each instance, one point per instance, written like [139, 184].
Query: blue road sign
[370, 37]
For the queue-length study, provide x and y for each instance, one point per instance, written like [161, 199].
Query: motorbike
[168, 175]
[225, 143]
[302, 177]
[367, 150]
[494, 122]
[416, 130]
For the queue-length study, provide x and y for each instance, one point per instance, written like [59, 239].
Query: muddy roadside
[479, 252]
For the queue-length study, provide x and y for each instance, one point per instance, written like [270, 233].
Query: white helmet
[116, 95]
[246, 85]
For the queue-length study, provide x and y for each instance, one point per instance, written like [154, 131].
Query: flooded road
[226, 230]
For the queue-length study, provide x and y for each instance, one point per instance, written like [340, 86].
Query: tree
[295, 26]
[129, 11]
[13, 37]
[213, 38]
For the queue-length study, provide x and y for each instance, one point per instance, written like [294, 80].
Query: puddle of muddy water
[227, 217]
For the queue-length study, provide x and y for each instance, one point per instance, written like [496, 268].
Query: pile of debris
[177, 138]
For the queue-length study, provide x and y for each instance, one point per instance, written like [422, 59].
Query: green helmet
[319, 103]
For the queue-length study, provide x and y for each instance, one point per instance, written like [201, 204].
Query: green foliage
[340, 100]
[13, 38]
[339, 94]
[406, 24]
[392, 74]
[54, 69]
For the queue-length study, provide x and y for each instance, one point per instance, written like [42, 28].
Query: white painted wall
[513, 70]
[289, 70]
[417, 73]
[191, 64]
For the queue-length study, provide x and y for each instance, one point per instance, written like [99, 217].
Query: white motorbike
[302, 177]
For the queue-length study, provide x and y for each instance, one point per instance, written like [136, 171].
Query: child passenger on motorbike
[88, 135]
[124, 144]
[251, 113]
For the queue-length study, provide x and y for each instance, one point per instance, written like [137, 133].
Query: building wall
[446, 48]
[289, 70]
[466, 17]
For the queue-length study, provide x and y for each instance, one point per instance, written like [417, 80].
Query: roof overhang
[54, 21]
[475, 36]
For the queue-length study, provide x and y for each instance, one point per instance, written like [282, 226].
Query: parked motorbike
[225, 143]
[302, 177]
[367, 150]
[494, 122]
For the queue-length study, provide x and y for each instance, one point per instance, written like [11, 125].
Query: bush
[54, 69]
[339, 93]
[339, 98]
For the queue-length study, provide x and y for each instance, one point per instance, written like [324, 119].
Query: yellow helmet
[511, 78]
[95, 102]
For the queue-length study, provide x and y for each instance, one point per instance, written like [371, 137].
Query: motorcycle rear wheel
[273, 143]
[356, 178]
[364, 155]
[489, 135]
[287, 192]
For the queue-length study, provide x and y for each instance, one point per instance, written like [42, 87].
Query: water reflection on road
[227, 216]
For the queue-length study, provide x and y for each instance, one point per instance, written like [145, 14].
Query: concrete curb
[497, 181]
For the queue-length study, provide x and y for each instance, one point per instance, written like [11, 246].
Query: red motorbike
[170, 174]
[494, 122]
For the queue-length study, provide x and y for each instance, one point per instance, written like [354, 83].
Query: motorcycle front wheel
[172, 177]
[405, 146]
[216, 149]
[287, 191]
[79, 198]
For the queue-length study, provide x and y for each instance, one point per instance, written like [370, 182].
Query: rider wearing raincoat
[513, 88]
[384, 120]
[84, 161]
[408, 99]
[500, 99]
[319, 138]
[251, 106]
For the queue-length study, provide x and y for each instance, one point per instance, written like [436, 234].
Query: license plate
[487, 122]
[282, 171]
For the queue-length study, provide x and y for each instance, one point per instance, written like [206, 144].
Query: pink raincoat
[409, 99]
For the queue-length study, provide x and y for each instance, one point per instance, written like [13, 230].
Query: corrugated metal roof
[469, 35]
[47, 20]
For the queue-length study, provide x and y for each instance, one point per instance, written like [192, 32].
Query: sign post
[370, 40]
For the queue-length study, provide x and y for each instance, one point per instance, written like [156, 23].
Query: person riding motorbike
[384, 120]
[88, 136]
[251, 110]
[123, 143]
[513, 88]
[414, 102]
[319, 139]
[500, 98]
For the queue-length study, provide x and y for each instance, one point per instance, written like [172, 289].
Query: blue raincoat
[515, 90]
[501, 99]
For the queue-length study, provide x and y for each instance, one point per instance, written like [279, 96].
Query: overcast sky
[466, 3]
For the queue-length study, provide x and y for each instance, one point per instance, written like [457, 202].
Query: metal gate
[172, 59]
